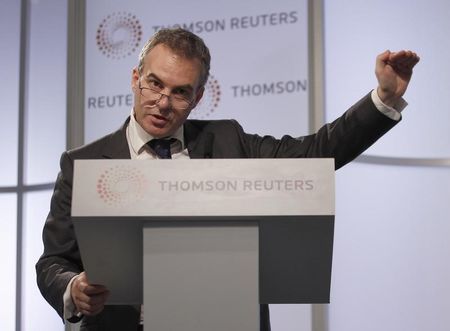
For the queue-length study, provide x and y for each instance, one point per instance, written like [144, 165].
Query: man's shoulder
[214, 125]
[90, 148]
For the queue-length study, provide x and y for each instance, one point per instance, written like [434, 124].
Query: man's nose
[164, 102]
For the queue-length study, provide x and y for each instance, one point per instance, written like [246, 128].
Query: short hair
[183, 43]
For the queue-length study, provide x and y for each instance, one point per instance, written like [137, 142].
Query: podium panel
[201, 276]
[295, 259]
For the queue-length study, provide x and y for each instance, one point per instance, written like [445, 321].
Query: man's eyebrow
[154, 76]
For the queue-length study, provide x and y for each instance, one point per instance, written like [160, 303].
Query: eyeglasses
[177, 100]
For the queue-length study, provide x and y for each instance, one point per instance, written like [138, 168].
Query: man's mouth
[159, 117]
[159, 120]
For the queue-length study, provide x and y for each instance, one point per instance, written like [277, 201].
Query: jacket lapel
[117, 146]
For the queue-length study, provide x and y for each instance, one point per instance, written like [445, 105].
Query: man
[167, 84]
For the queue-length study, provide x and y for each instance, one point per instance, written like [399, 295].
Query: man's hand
[89, 299]
[393, 71]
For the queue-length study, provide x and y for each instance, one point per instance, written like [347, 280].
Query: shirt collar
[139, 137]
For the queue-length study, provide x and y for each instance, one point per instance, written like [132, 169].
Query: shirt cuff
[70, 311]
[392, 112]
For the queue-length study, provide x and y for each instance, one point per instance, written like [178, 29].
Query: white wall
[391, 265]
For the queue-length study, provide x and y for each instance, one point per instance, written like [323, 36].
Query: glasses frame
[170, 97]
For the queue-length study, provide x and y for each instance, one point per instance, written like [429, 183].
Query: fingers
[88, 298]
[402, 55]
[92, 305]
[403, 59]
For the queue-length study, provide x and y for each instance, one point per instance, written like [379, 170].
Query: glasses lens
[150, 94]
[177, 102]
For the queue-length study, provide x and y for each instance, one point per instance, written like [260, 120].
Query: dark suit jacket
[343, 139]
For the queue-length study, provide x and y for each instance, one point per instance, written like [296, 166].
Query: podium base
[201, 276]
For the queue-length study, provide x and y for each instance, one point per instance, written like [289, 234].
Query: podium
[201, 243]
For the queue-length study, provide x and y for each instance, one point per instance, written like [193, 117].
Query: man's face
[170, 74]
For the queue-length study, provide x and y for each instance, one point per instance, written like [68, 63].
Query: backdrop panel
[259, 69]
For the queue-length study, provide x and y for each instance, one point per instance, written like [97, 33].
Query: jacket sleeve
[60, 260]
[343, 139]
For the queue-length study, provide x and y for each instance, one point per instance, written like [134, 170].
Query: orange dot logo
[121, 185]
[119, 35]
[210, 100]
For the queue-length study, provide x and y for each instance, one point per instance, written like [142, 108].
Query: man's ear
[135, 79]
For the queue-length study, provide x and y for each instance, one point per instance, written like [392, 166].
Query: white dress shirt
[138, 138]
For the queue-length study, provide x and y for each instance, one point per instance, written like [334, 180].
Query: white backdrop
[266, 93]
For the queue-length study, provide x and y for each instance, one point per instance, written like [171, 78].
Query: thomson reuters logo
[119, 35]
[210, 100]
[121, 185]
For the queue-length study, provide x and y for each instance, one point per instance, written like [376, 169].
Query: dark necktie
[161, 147]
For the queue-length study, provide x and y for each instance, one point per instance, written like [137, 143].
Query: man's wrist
[388, 99]
[391, 112]
[71, 314]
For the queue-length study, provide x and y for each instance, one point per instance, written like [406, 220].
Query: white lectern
[201, 243]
